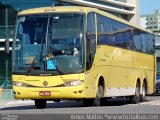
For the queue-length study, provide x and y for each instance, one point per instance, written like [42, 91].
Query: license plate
[45, 93]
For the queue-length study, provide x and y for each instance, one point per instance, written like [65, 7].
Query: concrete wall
[135, 18]
[143, 21]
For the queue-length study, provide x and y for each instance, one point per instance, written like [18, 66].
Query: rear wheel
[135, 99]
[143, 95]
[40, 104]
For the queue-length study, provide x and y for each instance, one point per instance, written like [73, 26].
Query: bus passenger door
[96, 58]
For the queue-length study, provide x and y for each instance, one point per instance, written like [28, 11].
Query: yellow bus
[80, 53]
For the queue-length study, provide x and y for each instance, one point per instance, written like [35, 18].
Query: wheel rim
[99, 95]
[143, 91]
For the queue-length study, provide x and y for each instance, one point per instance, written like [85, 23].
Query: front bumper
[72, 92]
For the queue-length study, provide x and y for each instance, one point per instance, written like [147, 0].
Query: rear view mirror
[92, 41]
[88, 36]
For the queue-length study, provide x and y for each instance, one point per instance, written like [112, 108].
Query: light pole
[6, 45]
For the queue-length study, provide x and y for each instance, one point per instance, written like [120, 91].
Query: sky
[149, 6]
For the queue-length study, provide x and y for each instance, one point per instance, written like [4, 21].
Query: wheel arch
[139, 81]
[101, 81]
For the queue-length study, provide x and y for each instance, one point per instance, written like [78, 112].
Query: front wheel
[99, 95]
[97, 100]
[40, 104]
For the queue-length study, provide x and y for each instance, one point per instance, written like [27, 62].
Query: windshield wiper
[57, 65]
[33, 62]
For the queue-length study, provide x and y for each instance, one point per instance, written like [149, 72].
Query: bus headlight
[74, 83]
[20, 84]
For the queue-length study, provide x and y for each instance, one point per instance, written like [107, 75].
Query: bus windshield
[49, 43]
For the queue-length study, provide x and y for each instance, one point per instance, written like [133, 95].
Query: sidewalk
[4, 102]
[7, 100]
[13, 102]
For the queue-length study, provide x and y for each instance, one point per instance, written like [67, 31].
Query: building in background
[126, 9]
[143, 21]
[151, 22]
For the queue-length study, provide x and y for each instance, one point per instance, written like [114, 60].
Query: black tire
[40, 104]
[136, 98]
[95, 101]
[144, 92]
[99, 95]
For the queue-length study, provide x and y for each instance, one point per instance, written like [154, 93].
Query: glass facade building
[10, 8]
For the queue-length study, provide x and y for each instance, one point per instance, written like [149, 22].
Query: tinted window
[91, 22]
[144, 42]
[119, 33]
[137, 40]
[129, 38]
[151, 43]
[112, 32]
[106, 31]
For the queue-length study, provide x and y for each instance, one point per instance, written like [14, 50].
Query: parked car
[158, 83]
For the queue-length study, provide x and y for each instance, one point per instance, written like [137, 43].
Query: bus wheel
[143, 95]
[95, 101]
[40, 104]
[135, 98]
[99, 95]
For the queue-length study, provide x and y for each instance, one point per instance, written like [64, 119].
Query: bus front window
[58, 34]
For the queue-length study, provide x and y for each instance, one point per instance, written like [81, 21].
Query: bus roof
[61, 9]
[56, 9]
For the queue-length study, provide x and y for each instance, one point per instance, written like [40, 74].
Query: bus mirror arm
[92, 41]
[7, 46]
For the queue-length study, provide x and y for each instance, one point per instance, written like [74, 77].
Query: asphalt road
[113, 106]
[119, 109]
